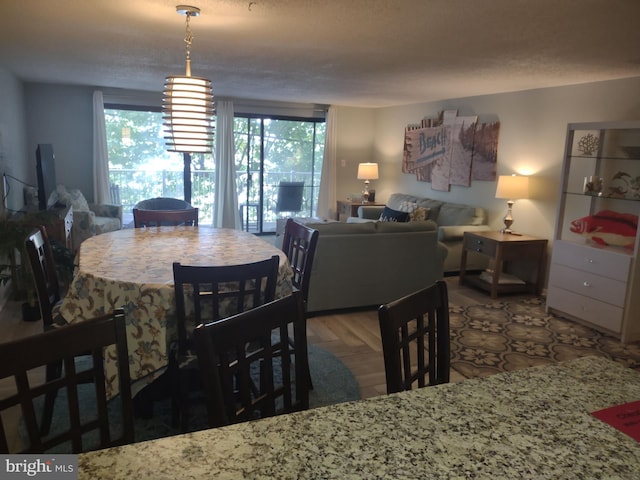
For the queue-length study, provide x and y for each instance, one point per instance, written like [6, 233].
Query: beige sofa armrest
[456, 232]
[106, 210]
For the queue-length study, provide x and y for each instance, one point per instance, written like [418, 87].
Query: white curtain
[101, 192]
[327, 196]
[225, 203]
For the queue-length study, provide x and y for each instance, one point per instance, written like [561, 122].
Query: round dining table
[133, 269]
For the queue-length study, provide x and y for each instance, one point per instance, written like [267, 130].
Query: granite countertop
[533, 423]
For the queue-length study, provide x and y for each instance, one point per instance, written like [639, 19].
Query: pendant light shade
[187, 112]
[187, 104]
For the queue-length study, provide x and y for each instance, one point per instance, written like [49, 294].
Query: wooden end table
[347, 208]
[503, 247]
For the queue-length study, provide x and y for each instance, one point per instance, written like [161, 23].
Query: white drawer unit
[597, 261]
[594, 275]
[598, 313]
[594, 286]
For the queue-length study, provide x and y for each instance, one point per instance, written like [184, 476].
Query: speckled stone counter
[533, 423]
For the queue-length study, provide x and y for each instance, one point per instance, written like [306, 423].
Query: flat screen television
[46, 172]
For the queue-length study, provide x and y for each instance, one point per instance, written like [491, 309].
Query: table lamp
[511, 187]
[367, 171]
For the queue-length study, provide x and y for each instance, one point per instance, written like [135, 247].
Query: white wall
[532, 133]
[62, 115]
[356, 129]
[13, 154]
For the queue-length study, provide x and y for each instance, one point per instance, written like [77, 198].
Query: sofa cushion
[397, 200]
[339, 228]
[455, 214]
[391, 215]
[402, 227]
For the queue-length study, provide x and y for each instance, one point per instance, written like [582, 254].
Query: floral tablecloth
[132, 269]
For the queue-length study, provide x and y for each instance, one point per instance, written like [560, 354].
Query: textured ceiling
[344, 52]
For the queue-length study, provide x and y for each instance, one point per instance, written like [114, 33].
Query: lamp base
[508, 219]
[365, 193]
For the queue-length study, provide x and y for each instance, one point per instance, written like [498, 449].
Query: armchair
[89, 219]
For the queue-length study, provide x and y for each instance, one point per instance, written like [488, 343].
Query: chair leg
[53, 371]
[309, 377]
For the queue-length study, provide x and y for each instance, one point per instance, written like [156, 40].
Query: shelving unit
[594, 275]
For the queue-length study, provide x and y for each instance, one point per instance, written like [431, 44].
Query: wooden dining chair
[416, 339]
[45, 277]
[299, 243]
[267, 380]
[206, 294]
[157, 218]
[43, 268]
[87, 420]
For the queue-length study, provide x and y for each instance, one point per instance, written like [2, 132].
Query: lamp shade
[187, 114]
[367, 171]
[512, 187]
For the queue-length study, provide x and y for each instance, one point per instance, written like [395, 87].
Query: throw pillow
[407, 206]
[419, 214]
[390, 215]
[73, 197]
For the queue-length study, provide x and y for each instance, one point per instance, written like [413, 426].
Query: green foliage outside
[289, 150]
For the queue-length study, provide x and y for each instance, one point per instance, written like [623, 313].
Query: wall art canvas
[424, 146]
[462, 150]
[485, 151]
[451, 150]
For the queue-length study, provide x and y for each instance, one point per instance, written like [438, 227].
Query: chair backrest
[157, 218]
[163, 203]
[299, 243]
[289, 196]
[209, 293]
[247, 365]
[85, 421]
[415, 339]
[43, 267]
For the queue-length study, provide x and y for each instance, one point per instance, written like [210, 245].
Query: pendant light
[187, 103]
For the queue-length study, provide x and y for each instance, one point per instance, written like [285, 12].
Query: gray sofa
[365, 264]
[453, 219]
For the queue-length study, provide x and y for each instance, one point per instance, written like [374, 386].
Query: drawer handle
[586, 284]
[588, 260]
[479, 242]
[478, 249]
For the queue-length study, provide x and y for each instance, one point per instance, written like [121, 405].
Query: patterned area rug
[510, 335]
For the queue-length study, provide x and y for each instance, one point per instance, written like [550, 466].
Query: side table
[347, 208]
[504, 247]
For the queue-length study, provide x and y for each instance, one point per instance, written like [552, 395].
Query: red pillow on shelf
[608, 228]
